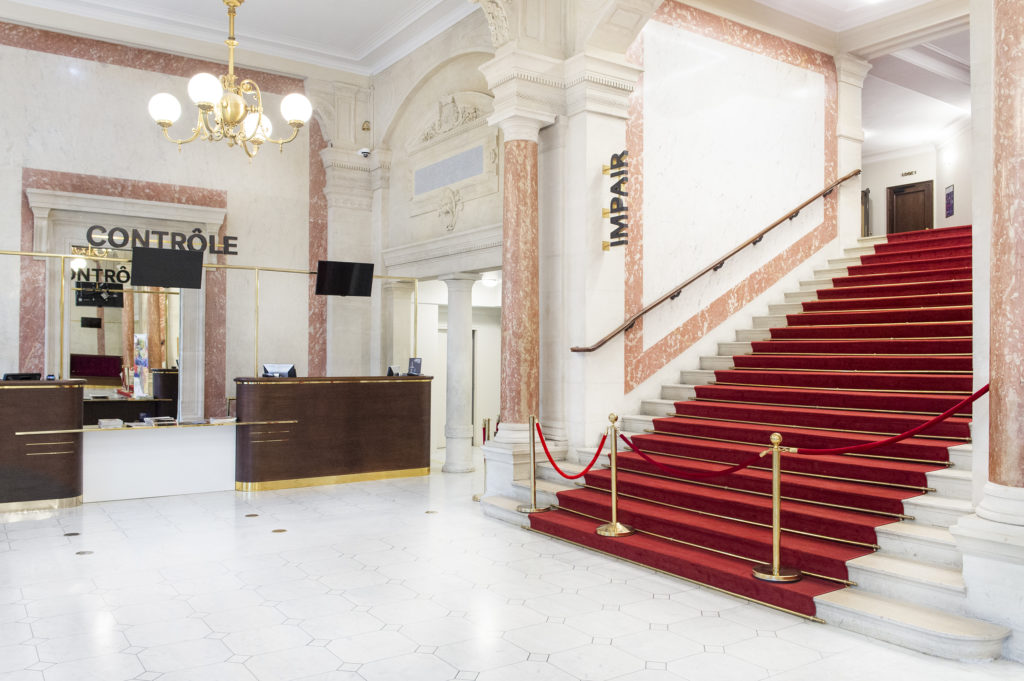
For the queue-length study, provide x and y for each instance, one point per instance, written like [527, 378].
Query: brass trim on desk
[329, 480]
[97, 429]
[46, 453]
[40, 505]
[323, 381]
[44, 444]
[44, 386]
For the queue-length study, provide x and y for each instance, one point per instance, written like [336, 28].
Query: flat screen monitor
[98, 294]
[279, 370]
[336, 278]
[22, 377]
[166, 267]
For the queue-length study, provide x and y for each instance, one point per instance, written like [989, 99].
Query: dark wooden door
[909, 207]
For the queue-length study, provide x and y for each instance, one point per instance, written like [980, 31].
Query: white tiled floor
[387, 581]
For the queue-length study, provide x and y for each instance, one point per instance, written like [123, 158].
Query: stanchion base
[765, 572]
[532, 509]
[614, 530]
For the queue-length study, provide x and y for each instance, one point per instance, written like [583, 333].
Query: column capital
[347, 179]
[597, 84]
[852, 70]
[454, 278]
[529, 91]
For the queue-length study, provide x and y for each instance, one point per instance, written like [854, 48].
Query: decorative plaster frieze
[496, 12]
[44, 201]
[473, 249]
[348, 182]
[450, 209]
[456, 114]
[852, 70]
[341, 108]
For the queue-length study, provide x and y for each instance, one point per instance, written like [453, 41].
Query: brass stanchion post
[487, 429]
[614, 528]
[775, 572]
[532, 508]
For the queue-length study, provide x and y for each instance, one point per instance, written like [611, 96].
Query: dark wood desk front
[40, 471]
[348, 429]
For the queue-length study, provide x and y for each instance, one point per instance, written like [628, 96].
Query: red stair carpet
[884, 349]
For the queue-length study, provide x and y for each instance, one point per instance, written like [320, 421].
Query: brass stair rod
[775, 572]
[614, 528]
[533, 508]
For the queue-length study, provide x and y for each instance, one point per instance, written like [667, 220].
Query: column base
[1002, 504]
[993, 558]
[458, 455]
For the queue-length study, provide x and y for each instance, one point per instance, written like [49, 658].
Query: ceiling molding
[921, 24]
[919, 57]
[395, 37]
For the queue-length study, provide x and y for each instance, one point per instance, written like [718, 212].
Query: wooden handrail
[626, 325]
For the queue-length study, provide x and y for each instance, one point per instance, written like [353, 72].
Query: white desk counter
[156, 462]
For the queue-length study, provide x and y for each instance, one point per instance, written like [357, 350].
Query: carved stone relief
[497, 21]
[451, 207]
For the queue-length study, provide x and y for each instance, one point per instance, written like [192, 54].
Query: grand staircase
[872, 347]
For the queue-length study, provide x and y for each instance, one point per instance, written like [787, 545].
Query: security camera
[364, 152]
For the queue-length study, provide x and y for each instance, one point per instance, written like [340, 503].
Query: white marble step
[678, 392]
[770, 321]
[735, 348]
[637, 423]
[750, 335]
[916, 541]
[697, 376]
[800, 296]
[962, 457]
[920, 628]
[848, 261]
[657, 407]
[831, 273]
[911, 581]
[932, 509]
[951, 483]
[868, 242]
[785, 309]
[815, 284]
[504, 509]
[716, 362]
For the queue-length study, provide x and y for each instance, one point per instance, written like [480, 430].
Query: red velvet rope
[560, 471]
[693, 476]
[895, 438]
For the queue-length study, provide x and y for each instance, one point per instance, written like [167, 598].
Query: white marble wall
[733, 140]
[90, 118]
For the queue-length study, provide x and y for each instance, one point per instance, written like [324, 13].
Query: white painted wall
[953, 167]
[91, 119]
[888, 171]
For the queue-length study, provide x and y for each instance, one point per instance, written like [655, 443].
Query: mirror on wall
[118, 334]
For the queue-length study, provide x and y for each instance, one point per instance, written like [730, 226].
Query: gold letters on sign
[617, 211]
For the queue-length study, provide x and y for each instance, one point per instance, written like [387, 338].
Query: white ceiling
[360, 36]
[912, 97]
[841, 15]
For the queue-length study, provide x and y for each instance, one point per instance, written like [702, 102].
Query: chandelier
[228, 109]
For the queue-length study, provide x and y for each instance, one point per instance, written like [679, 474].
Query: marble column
[992, 539]
[1006, 350]
[520, 295]
[458, 427]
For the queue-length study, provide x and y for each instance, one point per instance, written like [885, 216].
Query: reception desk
[348, 429]
[40, 470]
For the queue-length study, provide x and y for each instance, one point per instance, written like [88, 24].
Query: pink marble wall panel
[317, 251]
[1006, 349]
[520, 294]
[89, 49]
[216, 339]
[32, 299]
[32, 323]
[641, 364]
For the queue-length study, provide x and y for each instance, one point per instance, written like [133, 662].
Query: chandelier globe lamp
[230, 109]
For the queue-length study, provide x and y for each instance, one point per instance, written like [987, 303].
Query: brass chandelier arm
[195, 132]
